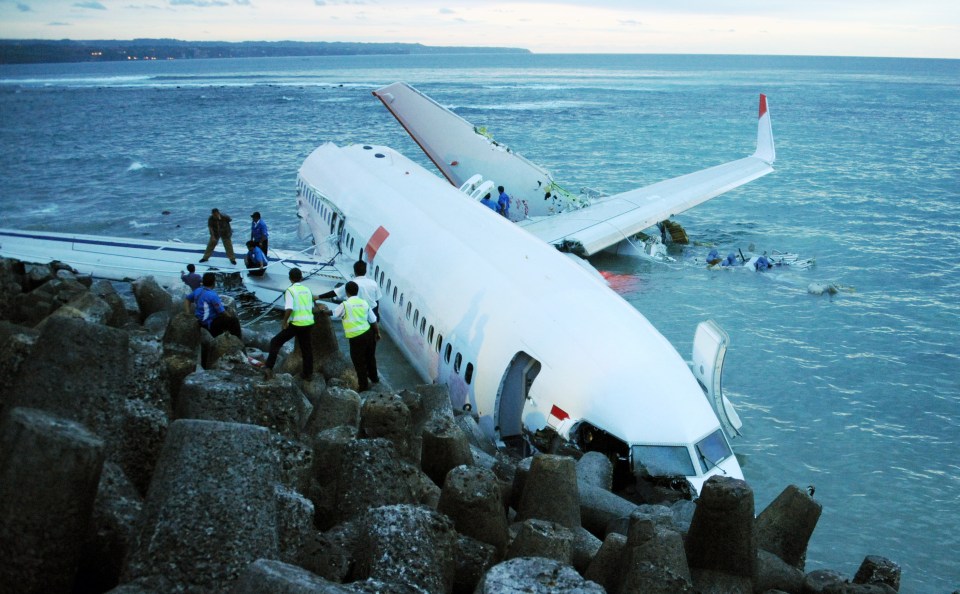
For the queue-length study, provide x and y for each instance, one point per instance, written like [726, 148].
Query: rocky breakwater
[139, 455]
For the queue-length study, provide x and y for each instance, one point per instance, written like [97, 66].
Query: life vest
[355, 317]
[302, 314]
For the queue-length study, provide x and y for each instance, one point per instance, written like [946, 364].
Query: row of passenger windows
[326, 213]
[419, 323]
[412, 314]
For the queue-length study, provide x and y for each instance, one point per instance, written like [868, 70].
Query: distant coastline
[36, 51]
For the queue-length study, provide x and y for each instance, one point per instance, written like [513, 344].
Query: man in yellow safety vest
[360, 328]
[297, 322]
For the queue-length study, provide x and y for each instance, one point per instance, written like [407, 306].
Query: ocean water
[856, 393]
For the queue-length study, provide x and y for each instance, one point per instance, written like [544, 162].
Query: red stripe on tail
[763, 104]
[559, 413]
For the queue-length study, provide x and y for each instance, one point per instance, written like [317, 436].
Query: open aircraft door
[709, 348]
[513, 393]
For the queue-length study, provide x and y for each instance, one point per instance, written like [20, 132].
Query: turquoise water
[856, 394]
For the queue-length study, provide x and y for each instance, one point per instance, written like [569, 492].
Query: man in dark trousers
[209, 309]
[297, 322]
[258, 233]
[360, 328]
[219, 226]
[503, 202]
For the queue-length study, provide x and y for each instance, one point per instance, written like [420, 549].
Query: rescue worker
[219, 226]
[297, 322]
[209, 309]
[503, 202]
[360, 328]
[255, 261]
[258, 232]
[486, 201]
[191, 278]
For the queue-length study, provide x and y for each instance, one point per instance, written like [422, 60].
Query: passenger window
[439, 341]
[423, 326]
[456, 363]
[468, 376]
[430, 335]
[409, 307]
[416, 318]
[401, 304]
[394, 294]
[448, 352]
[388, 286]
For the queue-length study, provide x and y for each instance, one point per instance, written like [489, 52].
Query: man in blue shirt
[486, 201]
[503, 202]
[209, 309]
[255, 260]
[258, 232]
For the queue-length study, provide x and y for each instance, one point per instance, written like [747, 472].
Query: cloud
[631, 23]
[202, 3]
[319, 2]
[446, 11]
[59, 24]
[23, 7]
[90, 5]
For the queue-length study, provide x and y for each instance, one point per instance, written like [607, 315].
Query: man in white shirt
[369, 289]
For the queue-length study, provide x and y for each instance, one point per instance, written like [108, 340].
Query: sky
[896, 28]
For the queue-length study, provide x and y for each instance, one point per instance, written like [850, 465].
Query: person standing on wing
[219, 226]
[503, 202]
[360, 328]
[297, 322]
[258, 232]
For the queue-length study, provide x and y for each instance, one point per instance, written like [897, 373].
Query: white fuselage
[516, 329]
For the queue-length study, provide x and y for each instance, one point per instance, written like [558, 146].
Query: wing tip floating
[765, 147]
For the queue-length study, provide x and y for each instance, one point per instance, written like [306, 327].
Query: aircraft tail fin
[765, 149]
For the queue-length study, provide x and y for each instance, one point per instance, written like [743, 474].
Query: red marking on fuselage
[376, 240]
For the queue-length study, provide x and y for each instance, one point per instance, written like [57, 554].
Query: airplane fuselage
[522, 335]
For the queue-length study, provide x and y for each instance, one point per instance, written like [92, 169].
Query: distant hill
[32, 51]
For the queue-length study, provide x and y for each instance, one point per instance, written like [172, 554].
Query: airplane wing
[465, 153]
[614, 218]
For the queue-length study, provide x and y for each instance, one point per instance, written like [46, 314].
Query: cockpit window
[663, 460]
[711, 450]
